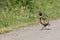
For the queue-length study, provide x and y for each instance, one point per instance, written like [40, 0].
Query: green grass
[10, 28]
[19, 13]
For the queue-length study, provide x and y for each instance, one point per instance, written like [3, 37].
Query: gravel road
[34, 33]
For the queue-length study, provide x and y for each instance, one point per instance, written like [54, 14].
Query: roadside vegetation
[19, 13]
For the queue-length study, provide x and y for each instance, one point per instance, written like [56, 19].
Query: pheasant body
[43, 21]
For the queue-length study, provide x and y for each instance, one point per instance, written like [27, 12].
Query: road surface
[34, 32]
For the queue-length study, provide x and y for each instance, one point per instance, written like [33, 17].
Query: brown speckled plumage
[43, 21]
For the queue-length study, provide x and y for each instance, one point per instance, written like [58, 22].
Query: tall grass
[24, 12]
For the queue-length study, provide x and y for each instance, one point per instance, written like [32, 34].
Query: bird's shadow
[46, 29]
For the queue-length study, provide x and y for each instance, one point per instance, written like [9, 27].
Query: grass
[8, 29]
[19, 13]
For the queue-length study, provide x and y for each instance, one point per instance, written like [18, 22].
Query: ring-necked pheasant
[43, 21]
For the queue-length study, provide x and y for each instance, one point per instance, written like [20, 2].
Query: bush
[14, 12]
